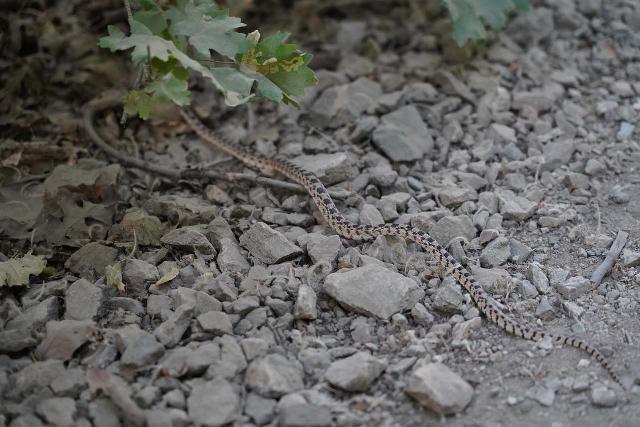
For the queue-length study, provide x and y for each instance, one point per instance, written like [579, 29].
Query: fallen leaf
[169, 276]
[113, 275]
[16, 271]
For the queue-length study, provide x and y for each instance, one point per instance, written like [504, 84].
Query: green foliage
[470, 16]
[195, 35]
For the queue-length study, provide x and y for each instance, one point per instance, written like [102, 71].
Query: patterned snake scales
[353, 231]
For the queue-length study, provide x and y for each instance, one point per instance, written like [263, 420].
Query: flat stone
[329, 168]
[58, 411]
[574, 287]
[71, 383]
[451, 226]
[260, 409]
[268, 245]
[517, 208]
[15, 340]
[36, 316]
[438, 388]
[448, 297]
[402, 135]
[538, 277]
[138, 275]
[455, 196]
[370, 215]
[355, 373]
[90, 260]
[304, 415]
[142, 351]
[373, 290]
[342, 104]
[215, 322]
[274, 376]
[38, 375]
[496, 253]
[324, 248]
[603, 397]
[170, 332]
[83, 300]
[630, 258]
[63, 338]
[305, 308]
[188, 238]
[230, 257]
[214, 403]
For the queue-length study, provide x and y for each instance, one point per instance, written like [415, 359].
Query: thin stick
[169, 173]
[610, 259]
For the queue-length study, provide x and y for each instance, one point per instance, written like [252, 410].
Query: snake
[362, 232]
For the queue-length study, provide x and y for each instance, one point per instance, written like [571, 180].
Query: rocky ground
[237, 305]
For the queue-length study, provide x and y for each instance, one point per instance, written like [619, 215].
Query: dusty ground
[544, 113]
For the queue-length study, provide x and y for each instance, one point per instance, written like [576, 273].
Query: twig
[173, 174]
[610, 259]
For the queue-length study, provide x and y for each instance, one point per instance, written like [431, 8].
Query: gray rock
[503, 134]
[329, 168]
[170, 332]
[137, 275]
[156, 304]
[274, 376]
[202, 357]
[403, 135]
[356, 66]
[438, 388]
[543, 395]
[383, 175]
[38, 375]
[126, 304]
[70, 384]
[217, 195]
[538, 277]
[215, 322]
[373, 290]
[448, 297]
[214, 403]
[63, 338]
[83, 300]
[350, 34]
[90, 260]
[268, 245]
[455, 196]
[245, 304]
[142, 351]
[603, 397]
[254, 347]
[519, 251]
[574, 287]
[230, 258]
[573, 310]
[630, 258]
[421, 315]
[340, 105]
[495, 253]
[324, 248]
[15, 340]
[304, 415]
[167, 417]
[544, 310]
[188, 238]
[36, 316]
[451, 226]
[558, 153]
[260, 409]
[27, 420]
[305, 308]
[355, 373]
[58, 411]
[315, 361]
[527, 289]
[369, 215]
[539, 101]
[516, 207]
[200, 300]
[594, 167]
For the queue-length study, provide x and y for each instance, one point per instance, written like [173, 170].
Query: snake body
[350, 230]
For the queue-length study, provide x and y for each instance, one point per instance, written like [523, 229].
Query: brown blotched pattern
[364, 232]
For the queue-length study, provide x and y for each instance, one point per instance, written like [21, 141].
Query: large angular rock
[214, 403]
[268, 245]
[354, 373]
[438, 388]
[274, 376]
[83, 300]
[64, 338]
[340, 105]
[90, 260]
[373, 290]
[574, 287]
[452, 226]
[402, 135]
